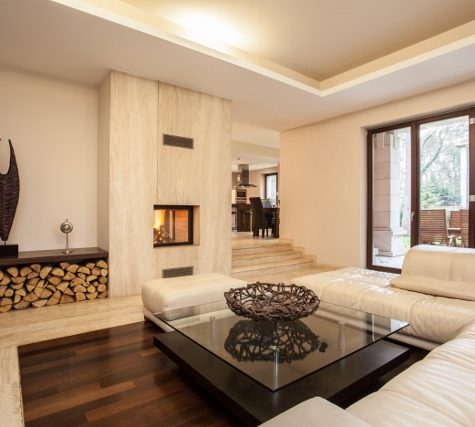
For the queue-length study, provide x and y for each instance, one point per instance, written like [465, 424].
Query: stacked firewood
[39, 285]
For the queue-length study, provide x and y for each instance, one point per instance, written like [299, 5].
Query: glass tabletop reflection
[276, 354]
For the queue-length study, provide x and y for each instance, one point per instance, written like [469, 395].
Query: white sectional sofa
[436, 294]
[437, 391]
[439, 305]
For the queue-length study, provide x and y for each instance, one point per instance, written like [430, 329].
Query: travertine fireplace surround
[136, 171]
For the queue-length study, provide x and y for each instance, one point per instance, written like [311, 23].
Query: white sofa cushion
[179, 292]
[431, 286]
[437, 391]
[460, 351]
[393, 409]
[315, 412]
[435, 319]
[440, 262]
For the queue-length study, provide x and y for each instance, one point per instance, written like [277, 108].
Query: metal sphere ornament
[66, 227]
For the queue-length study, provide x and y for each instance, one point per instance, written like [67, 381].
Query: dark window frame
[415, 181]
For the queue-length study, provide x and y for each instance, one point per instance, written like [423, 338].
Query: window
[271, 187]
[421, 181]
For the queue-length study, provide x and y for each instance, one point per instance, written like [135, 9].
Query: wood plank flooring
[111, 377]
[31, 326]
[116, 377]
[45, 323]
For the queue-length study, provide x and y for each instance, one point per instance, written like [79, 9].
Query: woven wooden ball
[270, 301]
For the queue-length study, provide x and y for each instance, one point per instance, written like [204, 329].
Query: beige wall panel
[323, 175]
[53, 127]
[196, 177]
[133, 175]
[103, 165]
[143, 172]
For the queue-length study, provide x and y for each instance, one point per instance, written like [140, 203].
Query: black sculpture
[9, 193]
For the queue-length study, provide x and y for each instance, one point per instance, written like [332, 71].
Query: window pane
[271, 188]
[391, 196]
[444, 182]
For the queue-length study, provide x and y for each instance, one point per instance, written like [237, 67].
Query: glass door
[421, 187]
[391, 196]
[444, 176]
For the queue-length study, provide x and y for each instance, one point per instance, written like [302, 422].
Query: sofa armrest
[316, 412]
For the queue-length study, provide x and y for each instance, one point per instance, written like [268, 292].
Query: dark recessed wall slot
[177, 141]
[177, 272]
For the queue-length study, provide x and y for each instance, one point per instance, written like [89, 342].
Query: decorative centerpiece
[270, 301]
[66, 227]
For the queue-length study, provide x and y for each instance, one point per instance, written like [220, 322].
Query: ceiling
[290, 64]
[254, 164]
[319, 38]
[258, 155]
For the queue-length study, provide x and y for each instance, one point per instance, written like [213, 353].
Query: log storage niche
[42, 278]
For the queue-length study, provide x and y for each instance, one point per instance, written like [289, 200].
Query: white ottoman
[179, 292]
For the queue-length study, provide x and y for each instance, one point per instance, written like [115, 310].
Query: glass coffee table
[260, 369]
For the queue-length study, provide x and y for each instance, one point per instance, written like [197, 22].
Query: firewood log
[73, 268]
[25, 271]
[45, 271]
[13, 271]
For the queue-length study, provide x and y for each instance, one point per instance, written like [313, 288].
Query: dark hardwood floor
[114, 377]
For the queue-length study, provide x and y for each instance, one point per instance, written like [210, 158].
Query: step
[265, 258]
[273, 267]
[280, 277]
[267, 253]
[257, 243]
[262, 249]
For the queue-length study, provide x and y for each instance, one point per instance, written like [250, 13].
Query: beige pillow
[436, 287]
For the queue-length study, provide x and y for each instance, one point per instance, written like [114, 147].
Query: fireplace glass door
[173, 225]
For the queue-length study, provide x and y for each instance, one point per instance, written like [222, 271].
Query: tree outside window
[271, 187]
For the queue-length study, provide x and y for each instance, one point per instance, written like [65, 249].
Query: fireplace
[173, 225]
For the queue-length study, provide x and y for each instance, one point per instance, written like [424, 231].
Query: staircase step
[260, 254]
[272, 267]
[262, 249]
[265, 258]
[257, 242]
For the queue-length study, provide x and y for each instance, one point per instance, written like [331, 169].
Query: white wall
[323, 175]
[53, 127]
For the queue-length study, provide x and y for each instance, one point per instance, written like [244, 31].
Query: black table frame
[253, 403]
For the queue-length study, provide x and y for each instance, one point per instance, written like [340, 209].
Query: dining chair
[454, 219]
[433, 227]
[259, 219]
[464, 226]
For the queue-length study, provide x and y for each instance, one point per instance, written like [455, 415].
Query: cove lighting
[207, 30]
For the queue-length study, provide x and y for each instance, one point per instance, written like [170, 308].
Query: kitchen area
[255, 200]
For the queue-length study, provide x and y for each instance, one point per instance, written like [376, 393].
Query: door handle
[412, 215]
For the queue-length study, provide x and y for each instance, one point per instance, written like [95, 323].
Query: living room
[113, 137]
